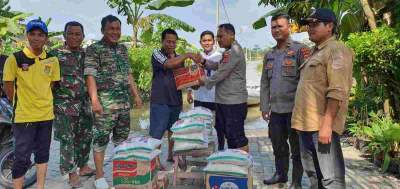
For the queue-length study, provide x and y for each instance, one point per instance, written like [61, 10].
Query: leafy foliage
[348, 12]
[140, 59]
[385, 137]
[377, 55]
[382, 135]
[162, 4]
[134, 10]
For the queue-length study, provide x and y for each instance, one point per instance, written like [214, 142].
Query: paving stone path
[360, 173]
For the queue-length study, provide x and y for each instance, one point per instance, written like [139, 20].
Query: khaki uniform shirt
[326, 74]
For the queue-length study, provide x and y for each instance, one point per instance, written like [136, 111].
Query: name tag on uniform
[288, 62]
[268, 66]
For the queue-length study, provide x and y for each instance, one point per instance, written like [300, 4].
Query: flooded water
[141, 116]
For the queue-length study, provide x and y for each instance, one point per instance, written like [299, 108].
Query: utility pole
[217, 15]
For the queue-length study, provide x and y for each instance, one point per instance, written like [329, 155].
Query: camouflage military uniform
[73, 122]
[110, 67]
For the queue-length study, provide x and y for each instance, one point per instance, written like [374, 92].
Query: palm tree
[134, 9]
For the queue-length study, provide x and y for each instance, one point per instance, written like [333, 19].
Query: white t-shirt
[203, 94]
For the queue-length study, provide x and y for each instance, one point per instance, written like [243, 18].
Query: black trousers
[230, 119]
[279, 132]
[30, 138]
[209, 105]
[323, 163]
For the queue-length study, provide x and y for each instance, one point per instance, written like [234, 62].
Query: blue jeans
[323, 163]
[162, 117]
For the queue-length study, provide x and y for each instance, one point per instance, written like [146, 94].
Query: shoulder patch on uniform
[306, 52]
[291, 53]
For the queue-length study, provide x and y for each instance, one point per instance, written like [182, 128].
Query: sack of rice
[195, 137]
[197, 112]
[139, 156]
[185, 146]
[232, 157]
[226, 169]
[188, 125]
[138, 144]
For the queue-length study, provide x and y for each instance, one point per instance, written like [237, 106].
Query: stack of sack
[138, 148]
[191, 131]
[200, 113]
[134, 163]
[230, 162]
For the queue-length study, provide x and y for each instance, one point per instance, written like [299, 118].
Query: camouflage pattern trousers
[75, 134]
[116, 123]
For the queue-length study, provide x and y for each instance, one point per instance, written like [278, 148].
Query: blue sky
[202, 15]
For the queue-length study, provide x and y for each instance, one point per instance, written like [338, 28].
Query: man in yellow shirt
[28, 78]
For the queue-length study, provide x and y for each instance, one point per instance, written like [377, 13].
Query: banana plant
[162, 4]
[12, 26]
[134, 11]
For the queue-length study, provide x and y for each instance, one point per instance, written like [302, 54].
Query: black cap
[320, 15]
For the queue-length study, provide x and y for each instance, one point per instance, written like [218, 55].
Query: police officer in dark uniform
[278, 87]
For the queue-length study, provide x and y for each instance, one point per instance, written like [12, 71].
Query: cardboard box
[150, 185]
[214, 181]
[135, 174]
[188, 76]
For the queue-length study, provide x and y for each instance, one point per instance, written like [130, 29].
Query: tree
[10, 20]
[348, 12]
[369, 14]
[377, 55]
[11, 28]
[5, 9]
[140, 57]
[352, 14]
[134, 9]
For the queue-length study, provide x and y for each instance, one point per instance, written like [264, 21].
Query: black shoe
[294, 186]
[276, 179]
